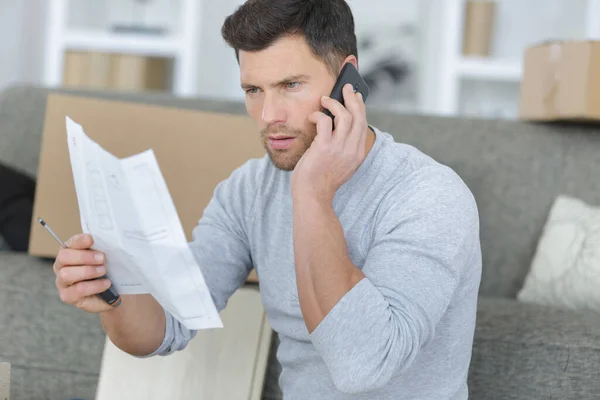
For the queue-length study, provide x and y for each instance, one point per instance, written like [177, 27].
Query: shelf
[490, 69]
[122, 43]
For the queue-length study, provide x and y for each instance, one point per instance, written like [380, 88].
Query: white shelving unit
[182, 47]
[492, 70]
[111, 42]
[453, 69]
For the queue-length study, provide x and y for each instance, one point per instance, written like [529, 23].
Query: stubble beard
[287, 159]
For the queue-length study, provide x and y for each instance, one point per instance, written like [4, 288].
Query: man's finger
[71, 275]
[70, 257]
[76, 293]
[81, 241]
[342, 117]
[358, 134]
[323, 123]
[354, 103]
[56, 266]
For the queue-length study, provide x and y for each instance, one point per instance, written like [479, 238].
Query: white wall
[21, 47]
[384, 12]
[519, 23]
[13, 43]
[218, 74]
[10, 20]
[34, 27]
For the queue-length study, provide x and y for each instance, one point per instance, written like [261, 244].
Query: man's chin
[283, 160]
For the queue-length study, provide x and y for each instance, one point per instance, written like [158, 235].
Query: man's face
[284, 84]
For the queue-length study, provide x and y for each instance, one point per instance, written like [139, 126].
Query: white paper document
[126, 206]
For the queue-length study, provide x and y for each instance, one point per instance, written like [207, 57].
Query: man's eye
[292, 85]
[252, 90]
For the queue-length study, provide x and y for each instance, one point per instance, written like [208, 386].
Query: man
[367, 250]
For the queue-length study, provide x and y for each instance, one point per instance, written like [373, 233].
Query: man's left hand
[333, 156]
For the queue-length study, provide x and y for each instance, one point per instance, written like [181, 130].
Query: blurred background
[449, 57]
[536, 185]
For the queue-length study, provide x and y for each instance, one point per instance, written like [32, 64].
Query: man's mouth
[280, 142]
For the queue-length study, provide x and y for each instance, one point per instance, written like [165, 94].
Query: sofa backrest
[514, 169]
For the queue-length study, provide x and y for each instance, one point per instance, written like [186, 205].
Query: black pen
[110, 296]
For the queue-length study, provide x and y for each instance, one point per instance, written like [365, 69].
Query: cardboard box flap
[195, 151]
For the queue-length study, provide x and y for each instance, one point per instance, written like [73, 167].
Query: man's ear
[351, 59]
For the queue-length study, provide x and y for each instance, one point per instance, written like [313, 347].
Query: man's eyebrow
[247, 86]
[292, 78]
[288, 79]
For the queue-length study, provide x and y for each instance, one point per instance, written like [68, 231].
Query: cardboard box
[561, 81]
[126, 72]
[195, 151]
[4, 381]
[478, 27]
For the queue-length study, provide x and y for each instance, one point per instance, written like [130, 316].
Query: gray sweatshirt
[403, 332]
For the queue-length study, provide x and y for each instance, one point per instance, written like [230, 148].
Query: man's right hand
[77, 269]
[137, 326]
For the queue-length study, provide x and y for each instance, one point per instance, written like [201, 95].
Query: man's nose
[273, 111]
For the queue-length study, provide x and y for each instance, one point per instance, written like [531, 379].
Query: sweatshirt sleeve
[221, 248]
[421, 246]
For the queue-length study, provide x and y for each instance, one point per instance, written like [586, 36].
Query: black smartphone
[348, 74]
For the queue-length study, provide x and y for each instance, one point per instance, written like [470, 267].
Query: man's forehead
[272, 73]
[288, 55]
[274, 57]
[275, 71]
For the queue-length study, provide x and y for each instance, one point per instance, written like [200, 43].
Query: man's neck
[370, 140]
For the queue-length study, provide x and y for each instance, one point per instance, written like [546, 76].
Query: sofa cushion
[566, 269]
[529, 351]
[54, 349]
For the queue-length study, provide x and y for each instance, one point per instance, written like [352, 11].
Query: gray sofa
[515, 170]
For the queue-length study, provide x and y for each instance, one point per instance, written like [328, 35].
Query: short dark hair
[327, 26]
